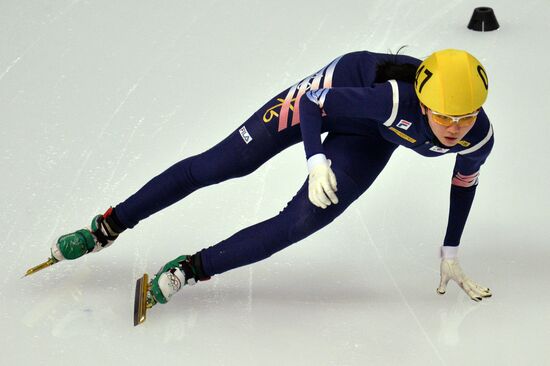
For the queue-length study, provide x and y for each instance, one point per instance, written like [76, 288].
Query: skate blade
[41, 266]
[140, 300]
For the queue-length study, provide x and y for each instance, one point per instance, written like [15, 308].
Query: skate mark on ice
[167, 118]
[123, 152]
[33, 43]
[392, 278]
[13, 63]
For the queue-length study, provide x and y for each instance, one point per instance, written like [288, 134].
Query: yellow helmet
[451, 82]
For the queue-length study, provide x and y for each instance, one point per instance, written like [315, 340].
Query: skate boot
[101, 233]
[184, 270]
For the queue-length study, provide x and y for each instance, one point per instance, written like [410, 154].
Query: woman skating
[369, 104]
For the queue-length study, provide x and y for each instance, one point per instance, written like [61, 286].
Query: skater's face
[449, 130]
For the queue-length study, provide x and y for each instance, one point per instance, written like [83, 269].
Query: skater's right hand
[322, 182]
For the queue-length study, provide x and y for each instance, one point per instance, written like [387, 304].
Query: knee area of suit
[308, 220]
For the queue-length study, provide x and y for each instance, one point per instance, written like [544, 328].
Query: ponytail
[397, 71]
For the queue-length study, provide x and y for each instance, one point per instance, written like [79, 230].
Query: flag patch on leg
[245, 135]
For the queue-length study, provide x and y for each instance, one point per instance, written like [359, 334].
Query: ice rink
[97, 97]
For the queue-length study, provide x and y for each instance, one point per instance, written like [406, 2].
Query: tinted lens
[466, 121]
[448, 121]
[442, 120]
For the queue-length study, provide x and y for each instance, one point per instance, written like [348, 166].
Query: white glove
[322, 182]
[451, 270]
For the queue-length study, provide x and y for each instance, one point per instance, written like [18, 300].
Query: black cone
[483, 20]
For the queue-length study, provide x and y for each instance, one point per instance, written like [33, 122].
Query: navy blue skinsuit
[366, 123]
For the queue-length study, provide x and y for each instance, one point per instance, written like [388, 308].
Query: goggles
[461, 121]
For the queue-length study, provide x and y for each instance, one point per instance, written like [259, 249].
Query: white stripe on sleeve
[479, 144]
[318, 96]
[395, 93]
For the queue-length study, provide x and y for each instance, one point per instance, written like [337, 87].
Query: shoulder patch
[404, 124]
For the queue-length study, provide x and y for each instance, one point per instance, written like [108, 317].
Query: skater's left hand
[451, 270]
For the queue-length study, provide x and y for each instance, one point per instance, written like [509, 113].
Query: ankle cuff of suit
[201, 274]
[113, 221]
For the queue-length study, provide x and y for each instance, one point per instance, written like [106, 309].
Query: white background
[97, 97]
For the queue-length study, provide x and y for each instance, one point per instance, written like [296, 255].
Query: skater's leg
[237, 155]
[356, 162]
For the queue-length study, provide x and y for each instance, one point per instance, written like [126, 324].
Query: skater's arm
[374, 103]
[459, 209]
[463, 188]
[462, 196]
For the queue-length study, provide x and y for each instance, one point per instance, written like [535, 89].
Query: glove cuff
[315, 160]
[448, 252]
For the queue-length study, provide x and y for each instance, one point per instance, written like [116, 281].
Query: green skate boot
[184, 270]
[101, 233]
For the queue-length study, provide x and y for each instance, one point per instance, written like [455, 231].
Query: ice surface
[97, 97]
